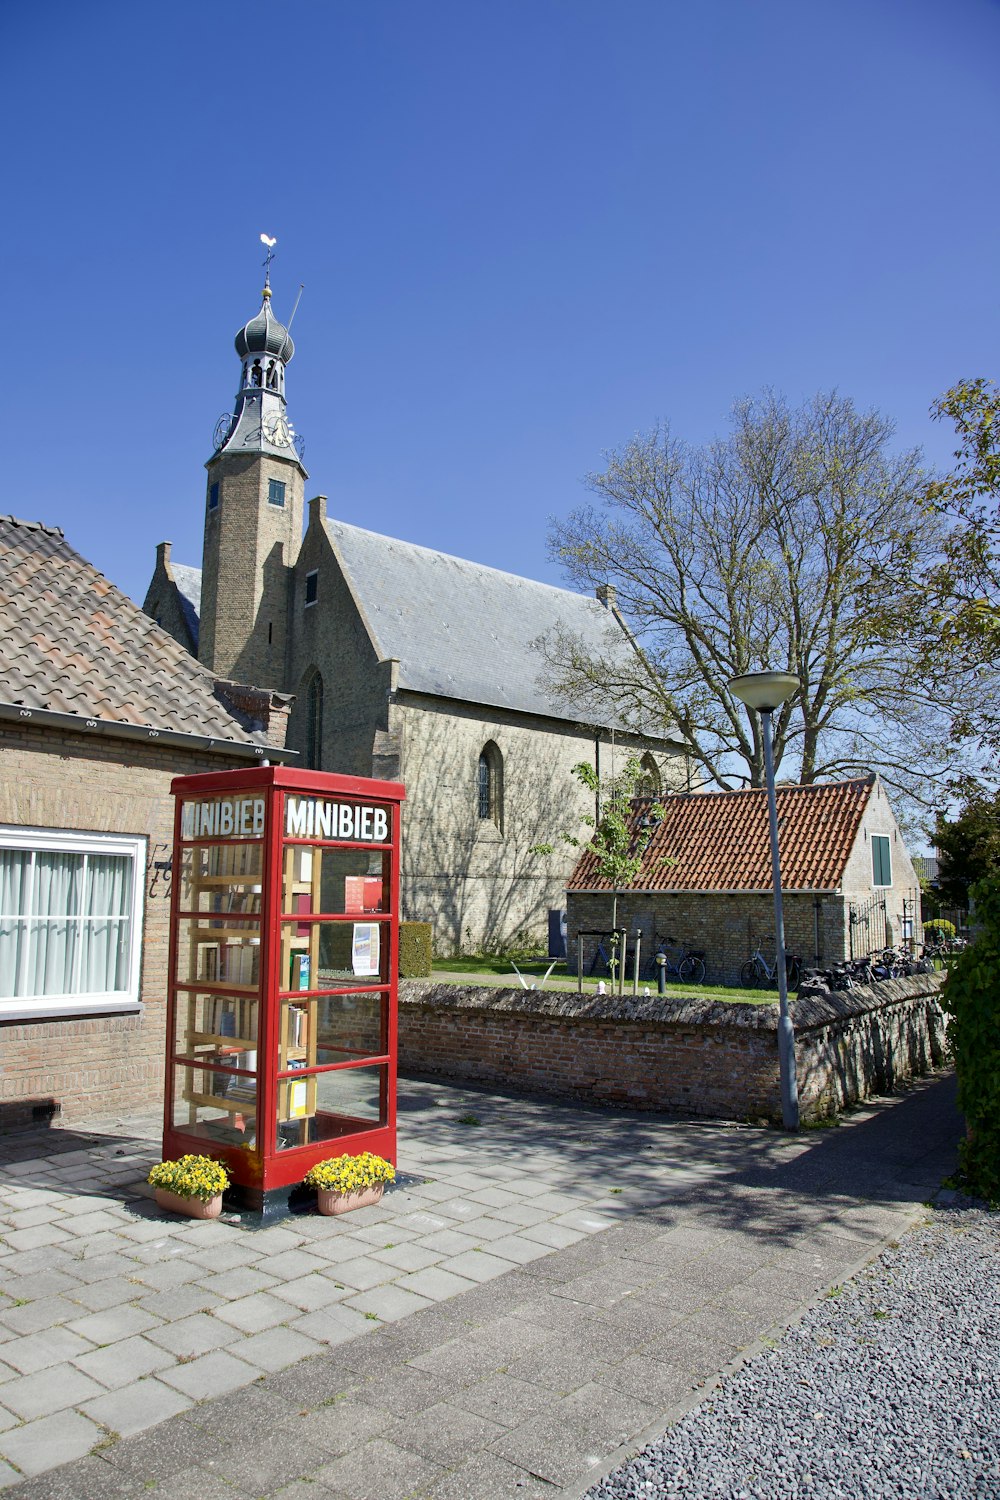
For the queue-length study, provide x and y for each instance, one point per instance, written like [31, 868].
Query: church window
[213, 495]
[276, 492]
[650, 783]
[312, 587]
[490, 786]
[314, 722]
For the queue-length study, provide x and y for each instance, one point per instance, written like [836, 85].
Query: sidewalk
[545, 1290]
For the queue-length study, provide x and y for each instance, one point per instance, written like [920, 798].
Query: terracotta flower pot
[330, 1201]
[193, 1208]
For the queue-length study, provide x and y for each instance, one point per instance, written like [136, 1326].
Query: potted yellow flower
[346, 1182]
[192, 1185]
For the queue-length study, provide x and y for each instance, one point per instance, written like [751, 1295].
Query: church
[403, 663]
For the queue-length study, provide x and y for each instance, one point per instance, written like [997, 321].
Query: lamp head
[763, 690]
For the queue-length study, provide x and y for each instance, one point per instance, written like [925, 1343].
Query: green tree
[969, 848]
[760, 550]
[616, 845]
[971, 998]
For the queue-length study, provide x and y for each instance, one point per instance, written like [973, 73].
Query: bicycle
[688, 966]
[758, 974]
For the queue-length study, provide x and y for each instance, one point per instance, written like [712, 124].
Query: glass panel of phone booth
[324, 1106]
[215, 1106]
[334, 881]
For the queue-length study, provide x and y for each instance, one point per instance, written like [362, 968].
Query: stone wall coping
[814, 1010]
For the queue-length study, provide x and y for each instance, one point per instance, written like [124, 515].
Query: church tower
[253, 513]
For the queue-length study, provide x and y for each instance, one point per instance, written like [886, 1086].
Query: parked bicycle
[758, 974]
[686, 965]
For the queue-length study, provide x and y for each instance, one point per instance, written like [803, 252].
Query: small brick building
[99, 709]
[848, 881]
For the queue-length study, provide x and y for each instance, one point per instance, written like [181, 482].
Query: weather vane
[270, 242]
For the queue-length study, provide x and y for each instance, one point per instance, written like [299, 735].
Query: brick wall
[691, 1057]
[726, 926]
[52, 779]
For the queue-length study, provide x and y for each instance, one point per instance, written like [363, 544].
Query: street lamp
[763, 691]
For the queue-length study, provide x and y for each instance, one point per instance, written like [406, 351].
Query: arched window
[314, 722]
[650, 783]
[490, 785]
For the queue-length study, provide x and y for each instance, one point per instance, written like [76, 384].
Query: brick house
[405, 664]
[848, 881]
[99, 709]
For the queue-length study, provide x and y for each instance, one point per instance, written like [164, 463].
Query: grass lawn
[493, 970]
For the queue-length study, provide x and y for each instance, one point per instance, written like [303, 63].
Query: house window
[213, 495]
[312, 587]
[881, 867]
[314, 722]
[70, 922]
[276, 492]
[490, 785]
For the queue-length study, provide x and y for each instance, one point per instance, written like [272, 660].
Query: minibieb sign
[223, 818]
[316, 818]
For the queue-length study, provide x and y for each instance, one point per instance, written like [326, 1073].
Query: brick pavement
[544, 1290]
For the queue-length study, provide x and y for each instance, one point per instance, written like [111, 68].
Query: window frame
[70, 841]
[884, 863]
[312, 577]
[490, 806]
[273, 486]
[213, 495]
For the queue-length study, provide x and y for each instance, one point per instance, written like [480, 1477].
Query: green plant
[415, 950]
[190, 1177]
[350, 1174]
[940, 926]
[469, 1119]
[971, 997]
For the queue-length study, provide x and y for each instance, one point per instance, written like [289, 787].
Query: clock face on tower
[277, 431]
[223, 428]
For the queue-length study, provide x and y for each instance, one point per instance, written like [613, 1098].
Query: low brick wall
[693, 1057]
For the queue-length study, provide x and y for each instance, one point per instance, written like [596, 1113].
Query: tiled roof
[71, 643]
[462, 630]
[719, 841]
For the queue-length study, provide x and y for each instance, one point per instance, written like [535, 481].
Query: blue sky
[526, 230]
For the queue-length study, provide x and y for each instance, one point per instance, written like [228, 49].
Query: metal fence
[870, 928]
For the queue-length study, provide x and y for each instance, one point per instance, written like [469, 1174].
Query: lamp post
[763, 691]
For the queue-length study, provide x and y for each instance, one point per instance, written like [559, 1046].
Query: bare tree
[764, 549]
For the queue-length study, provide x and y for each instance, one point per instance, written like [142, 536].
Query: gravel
[889, 1387]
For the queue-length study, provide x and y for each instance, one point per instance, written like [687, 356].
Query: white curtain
[64, 923]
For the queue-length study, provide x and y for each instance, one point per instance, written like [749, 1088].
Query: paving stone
[311, 1293]
[435, 1283]
[562, 1365]
[113, 1324]
[387, 1303]
[244, 1412]
[48, 1391]
[142, 1404]
[162, 1451]
[242, 1281]
[180, 1302]
[361, 1273]
[211, 1375]
[287, 1266]
[503, 1399]
[92, 1223]
[50, 1441]
[91, 1268]
[252, 1314]
[408, 1257]
[100, 1295]
[334, 1325]
[34, 1316]
[217, 1258]
[119, 1364]
[476, 1265]
[344, 1424]
[34, 1238]
[196, 1483]
[488, 1475]
[445, 1433]
[39, 1351]
[574, 1433]
[276, 1348]
[194, 1336]
[379, 1471]
[649, 1380]
[407, 1391]
[447, 1242]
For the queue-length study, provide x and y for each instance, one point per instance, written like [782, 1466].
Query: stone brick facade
[91, 1065]
[691, 1057]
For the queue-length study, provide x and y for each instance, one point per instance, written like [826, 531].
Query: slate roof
[187, 581]
[719, 841]
[462, 630]
[72, 643]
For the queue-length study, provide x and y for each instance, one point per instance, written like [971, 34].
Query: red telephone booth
[281, 1027]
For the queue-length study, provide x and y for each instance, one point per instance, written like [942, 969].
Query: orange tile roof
[718, 841]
